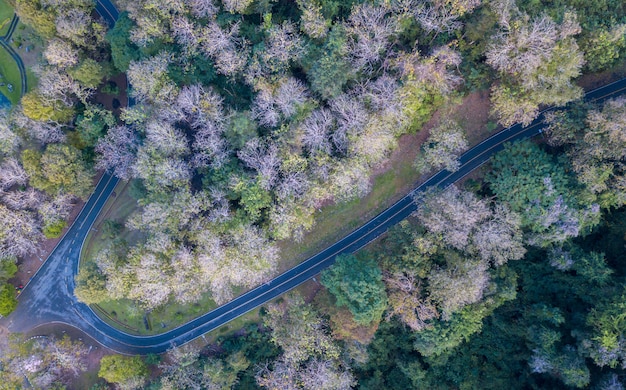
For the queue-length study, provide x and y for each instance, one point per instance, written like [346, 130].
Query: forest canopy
[247, 117]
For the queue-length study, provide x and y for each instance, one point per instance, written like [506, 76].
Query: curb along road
[56, 303]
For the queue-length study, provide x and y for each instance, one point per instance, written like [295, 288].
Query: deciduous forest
[248, 118]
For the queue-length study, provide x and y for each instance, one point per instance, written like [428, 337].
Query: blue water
[4, 102]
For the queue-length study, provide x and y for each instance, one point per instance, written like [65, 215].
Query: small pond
[4, 102]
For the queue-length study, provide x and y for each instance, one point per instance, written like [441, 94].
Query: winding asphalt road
[5, 43]
[49, 297]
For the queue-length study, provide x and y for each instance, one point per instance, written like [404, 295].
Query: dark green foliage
[111, 229]
[196, 70]
[536, 185]
[92, 125]
[8, 269]
[356, 282]
[241, 129]
[331, 70]
[389, 351]
[123, 51]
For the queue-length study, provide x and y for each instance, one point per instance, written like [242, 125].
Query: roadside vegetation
[259, 133]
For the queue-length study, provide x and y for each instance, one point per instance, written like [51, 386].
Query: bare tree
[55, 86]
[160, 171]
[537, 60]
[184, 31]
[350, 179]
[371, 29]
[440, 70]
[149, 79]
[61, 53]
[9, 141]
[264, 110]
[225, 47]
[351, 117]
[500, 239]
[442, 15]
[29, 199]
[316, 131]
[209, 147]
[443, 147]
[20, 233]
[282, 45]
[117, 151]
[408, 302]
[198, 105]
[290, 94]
[262, 157]
[454, 214]
[57, 209]
[243, 258]
[279, 375]
[322, 374]
[44, 132]
[462, 282]
[12, 173]
[166, 139]
[203, 8]
[236, 6]
[45, 361]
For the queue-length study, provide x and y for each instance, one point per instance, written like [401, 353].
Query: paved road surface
[49, 297]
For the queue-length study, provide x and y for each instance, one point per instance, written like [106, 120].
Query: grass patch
[332, 223]
[6, 14]
[336, 221]
[10, 75]
[116, 208]
[125, 314]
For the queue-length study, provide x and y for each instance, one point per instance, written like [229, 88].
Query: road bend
[49, 297]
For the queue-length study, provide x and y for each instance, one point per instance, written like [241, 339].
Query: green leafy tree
[123, 51]
[54, 230]
[59, 168]
[331, 71]
[88, 72]
[356, 282]
[90, 285]
[8, 302]
[121, 370]
[93, 123]
[36, 15]
[8, 268]
[536, 186]
[37, 109]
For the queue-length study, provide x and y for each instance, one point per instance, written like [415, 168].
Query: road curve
[49, 297]
[5, 43]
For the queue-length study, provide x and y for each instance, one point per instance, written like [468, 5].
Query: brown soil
[472, 113]
[119, 80]
[595, 80]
